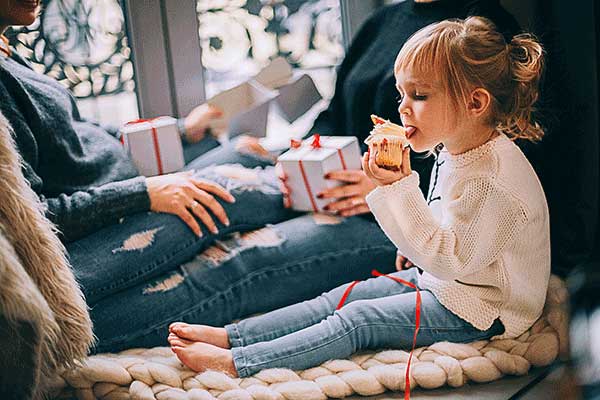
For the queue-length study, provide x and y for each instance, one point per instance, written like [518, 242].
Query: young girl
[481, 237]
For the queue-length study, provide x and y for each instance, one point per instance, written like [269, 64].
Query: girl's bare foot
[200, 356]
[201, 333]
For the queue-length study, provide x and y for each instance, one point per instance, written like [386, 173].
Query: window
[82, 44]
[239, 37]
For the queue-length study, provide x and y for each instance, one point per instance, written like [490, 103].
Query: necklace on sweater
[4, 47]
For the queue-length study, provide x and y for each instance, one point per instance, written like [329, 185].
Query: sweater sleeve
[83, 212]
[480, 219]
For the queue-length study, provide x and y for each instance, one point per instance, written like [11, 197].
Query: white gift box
[245, 109]
[154, 145]
[306, 165]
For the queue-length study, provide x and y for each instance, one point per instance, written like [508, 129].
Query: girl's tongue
[409, 131]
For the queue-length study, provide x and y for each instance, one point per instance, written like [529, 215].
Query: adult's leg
[147, 245]
[243, 275]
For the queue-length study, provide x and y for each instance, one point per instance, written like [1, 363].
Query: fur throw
[37, 283]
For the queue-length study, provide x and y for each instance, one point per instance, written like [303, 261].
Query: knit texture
[77, 168]
[484, 239]
[156, 374]
[365, 82]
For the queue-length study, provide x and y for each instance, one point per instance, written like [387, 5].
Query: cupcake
[390, 140]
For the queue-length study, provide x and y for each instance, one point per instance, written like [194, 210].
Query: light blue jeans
[150, 269]
[379, 313]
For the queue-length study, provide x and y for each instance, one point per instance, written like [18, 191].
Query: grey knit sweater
[78, 168]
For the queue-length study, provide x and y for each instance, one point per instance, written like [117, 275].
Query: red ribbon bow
[417, 321]
[316, 143]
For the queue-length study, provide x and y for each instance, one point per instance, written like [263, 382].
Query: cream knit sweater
[483, 241]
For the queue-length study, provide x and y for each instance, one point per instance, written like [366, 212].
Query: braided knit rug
[156, 374]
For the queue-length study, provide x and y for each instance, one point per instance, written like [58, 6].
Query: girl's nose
[403, 110]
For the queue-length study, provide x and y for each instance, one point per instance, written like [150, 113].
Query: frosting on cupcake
[385, 129]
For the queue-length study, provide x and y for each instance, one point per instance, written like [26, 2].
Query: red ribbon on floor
[315, 144]
[417, 320]
[154, 140]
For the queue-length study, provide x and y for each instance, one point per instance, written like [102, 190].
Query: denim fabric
[242, 275]
[136, 291]
[111, 259]
[378, 313]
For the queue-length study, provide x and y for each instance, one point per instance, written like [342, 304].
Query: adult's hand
[185, 196]
[197, 121]
[251, 145]
[350, 198]
[285, 189]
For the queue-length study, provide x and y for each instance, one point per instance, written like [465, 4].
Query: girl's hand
[381, 176]
[350, 199]
[250, 145]
[402, 262]
[197, 121]
[185, 196]
[285, 190]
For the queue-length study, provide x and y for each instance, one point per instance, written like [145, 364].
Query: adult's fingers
[209, 201]
[346, 203]
[214, 188]
[287, 201]
[279, 172]
[203, 215]
[340, 192]
[346, 175]
[189, 220]
[360, 209]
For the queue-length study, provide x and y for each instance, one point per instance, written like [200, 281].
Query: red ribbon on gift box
[154, 140]
[417, 321]
[315, 144]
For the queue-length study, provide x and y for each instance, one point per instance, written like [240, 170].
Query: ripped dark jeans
[150, 270]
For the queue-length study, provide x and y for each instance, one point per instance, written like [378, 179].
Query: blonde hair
[471, 53]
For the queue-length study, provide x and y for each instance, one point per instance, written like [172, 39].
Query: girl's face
[17, 12]
[426, 111]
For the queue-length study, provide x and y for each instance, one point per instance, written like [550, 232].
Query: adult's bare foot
[200, 356]
[201, 333]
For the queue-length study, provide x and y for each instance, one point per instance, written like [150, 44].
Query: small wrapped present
[307, 162]
[154, 145]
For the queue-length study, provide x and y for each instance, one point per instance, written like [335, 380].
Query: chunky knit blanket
[149, 374]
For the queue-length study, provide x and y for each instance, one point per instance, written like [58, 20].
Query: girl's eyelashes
[414, 95]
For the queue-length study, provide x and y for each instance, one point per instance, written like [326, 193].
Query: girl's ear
[479, 102]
